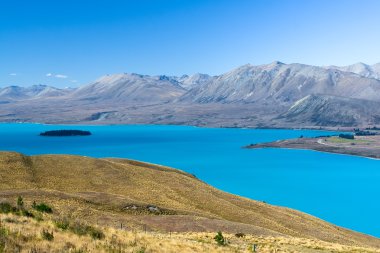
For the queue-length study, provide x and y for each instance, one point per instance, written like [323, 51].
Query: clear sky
[73, 42]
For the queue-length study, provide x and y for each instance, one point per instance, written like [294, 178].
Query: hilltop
[121, 193]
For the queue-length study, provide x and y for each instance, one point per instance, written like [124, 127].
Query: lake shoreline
[86, 123]
[215, 156]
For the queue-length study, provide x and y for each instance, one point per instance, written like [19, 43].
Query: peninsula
[366, 146]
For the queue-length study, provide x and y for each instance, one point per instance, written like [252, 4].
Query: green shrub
[3, 238]
[83, 229]
[42, 207]
[25, 213]
[20, 202]
[219, 238]
[38, 217]
[2, 245]
[78, 228]
[10, 220]
[96, 234]
[3, 232]
[7, 208]
[141, 250]
[46, 235]
[62, 224]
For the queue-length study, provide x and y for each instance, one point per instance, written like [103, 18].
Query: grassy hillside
[133, 196]
[20, 234]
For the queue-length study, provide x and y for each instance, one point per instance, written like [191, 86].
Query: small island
[61, 133]
[361, 143]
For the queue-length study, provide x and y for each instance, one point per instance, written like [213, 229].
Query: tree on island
[65, 133]
[347, 136]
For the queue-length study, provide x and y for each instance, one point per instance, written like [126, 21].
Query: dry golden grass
[99, 191]
[24, 235]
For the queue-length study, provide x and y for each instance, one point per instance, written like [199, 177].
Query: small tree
[20, 202]
[219, 238]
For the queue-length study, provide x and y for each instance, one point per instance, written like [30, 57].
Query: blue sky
[70, 43]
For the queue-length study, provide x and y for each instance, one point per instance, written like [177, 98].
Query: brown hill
[135, 195]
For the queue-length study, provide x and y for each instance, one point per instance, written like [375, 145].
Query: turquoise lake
[341, 189]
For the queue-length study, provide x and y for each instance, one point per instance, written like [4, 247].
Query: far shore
[363, 146]
[104, 123]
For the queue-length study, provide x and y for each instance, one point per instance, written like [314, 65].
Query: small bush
[10, 220]
[38, 217]
[240, 235]
[78, 228]
[83, 229]
[42, 207]
[219, 238]
[3, 232]
[20, 202]
[25, 213]
[141, 250]
[46, 235]
[7, 208]
[2, 245]
[62, 224]
[96, 234]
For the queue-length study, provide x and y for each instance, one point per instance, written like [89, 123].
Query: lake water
[341, 189]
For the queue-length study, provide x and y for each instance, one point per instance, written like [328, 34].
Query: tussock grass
[29, 235]
[345, 141]
[119, 193]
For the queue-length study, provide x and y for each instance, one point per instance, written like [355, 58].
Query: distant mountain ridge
[35, 91]
[269, 95]
[284, 83]
[131, 87]
[362, 69]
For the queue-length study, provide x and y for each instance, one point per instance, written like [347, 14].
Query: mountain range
[270, 95]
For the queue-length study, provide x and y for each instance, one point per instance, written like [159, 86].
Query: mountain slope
[368, 71]
[32, 92]
[114, 191]
[189, 82]
[130, 88]
[324, 110]
[283, 83]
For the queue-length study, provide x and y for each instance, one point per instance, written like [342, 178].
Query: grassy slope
[20, 234]
[98, 190]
